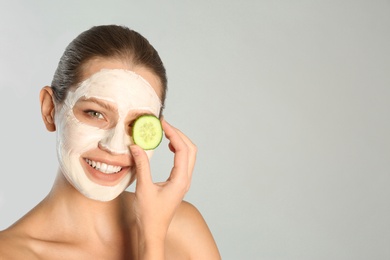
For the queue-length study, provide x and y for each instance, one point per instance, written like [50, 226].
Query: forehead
[126, 89]
[98, 63]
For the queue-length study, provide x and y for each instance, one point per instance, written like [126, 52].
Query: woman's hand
[155, 203]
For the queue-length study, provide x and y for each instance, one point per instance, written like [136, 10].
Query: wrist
[151, 245]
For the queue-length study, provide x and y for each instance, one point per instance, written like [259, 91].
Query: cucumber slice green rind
[147, 132]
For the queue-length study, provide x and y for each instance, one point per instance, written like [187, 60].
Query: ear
[47, 108]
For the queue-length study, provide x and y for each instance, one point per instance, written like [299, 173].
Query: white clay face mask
[125, 92]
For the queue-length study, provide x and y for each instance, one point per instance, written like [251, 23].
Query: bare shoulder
[189, 236]
[13, 246]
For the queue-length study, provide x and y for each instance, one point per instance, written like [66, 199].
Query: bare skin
[152, 223]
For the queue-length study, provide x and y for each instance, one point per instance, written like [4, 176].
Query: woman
[107, 77]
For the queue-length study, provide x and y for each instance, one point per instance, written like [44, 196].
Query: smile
[104, 168]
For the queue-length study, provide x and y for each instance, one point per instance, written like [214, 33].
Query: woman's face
[94, 125]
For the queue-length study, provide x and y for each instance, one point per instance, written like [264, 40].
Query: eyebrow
[105, 105]
[142, 113]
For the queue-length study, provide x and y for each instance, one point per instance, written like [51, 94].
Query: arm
[155, 204]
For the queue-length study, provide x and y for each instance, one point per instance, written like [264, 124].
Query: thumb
[142, 167]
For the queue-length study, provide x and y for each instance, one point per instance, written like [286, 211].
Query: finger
[171, 148]
[192, 150]
[171, 133]
[142, 166]
[180, 163]
[191, 158]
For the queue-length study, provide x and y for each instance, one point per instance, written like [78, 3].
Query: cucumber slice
[147, 132]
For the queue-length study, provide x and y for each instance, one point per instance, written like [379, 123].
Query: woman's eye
[95, 114]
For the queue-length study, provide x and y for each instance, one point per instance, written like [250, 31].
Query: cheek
[77, 137]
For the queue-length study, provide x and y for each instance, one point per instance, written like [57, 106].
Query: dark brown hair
[105, 41]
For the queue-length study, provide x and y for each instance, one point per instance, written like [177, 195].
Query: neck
[77, 214]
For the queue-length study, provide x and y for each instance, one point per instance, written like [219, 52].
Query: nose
[116, 140]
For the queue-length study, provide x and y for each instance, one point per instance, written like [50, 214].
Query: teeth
[104, 168]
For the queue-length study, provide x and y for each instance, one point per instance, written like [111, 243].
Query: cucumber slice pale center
[147, 132]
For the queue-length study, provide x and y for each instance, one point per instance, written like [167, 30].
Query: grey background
[288, 102]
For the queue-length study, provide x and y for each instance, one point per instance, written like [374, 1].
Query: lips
[103, 173]
[103, 167]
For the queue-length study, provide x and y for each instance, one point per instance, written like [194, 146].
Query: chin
[77, 176]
